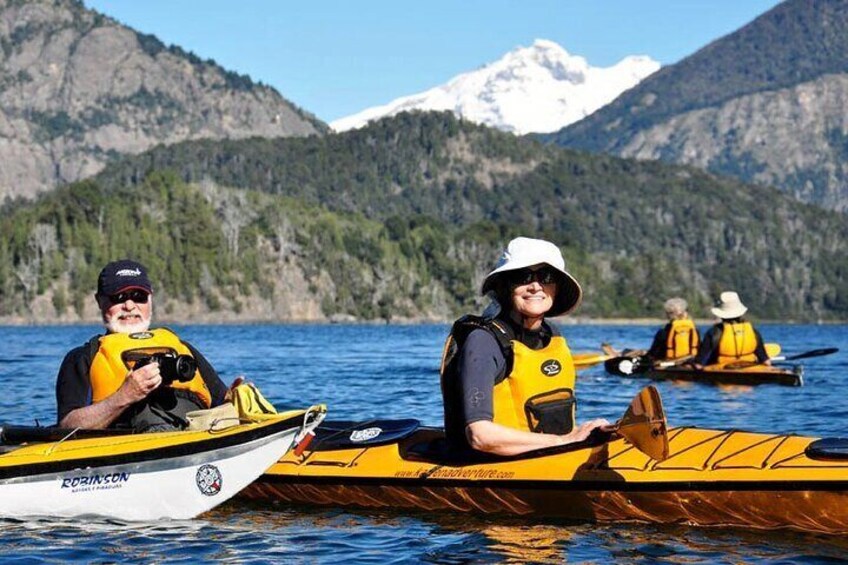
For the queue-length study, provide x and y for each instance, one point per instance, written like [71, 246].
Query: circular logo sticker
[209, 480]
[551, 367]
[141, 335]
[359, 436]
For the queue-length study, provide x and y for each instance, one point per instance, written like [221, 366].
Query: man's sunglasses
[136, 295]
[527, 276]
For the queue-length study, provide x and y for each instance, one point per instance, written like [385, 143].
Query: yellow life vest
[683, 339]
[738, 342]
[538, 393]
[118, 352]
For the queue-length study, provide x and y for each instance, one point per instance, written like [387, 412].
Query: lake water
[392, 372]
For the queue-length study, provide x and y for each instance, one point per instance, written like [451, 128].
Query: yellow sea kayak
[734, 373]
[586, 359]
[710, 478]
[721, 374]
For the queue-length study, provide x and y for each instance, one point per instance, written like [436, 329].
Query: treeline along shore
[401, 220]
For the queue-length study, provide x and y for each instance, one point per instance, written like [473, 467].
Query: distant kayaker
[733, 338]
[133, 377]
[679, 338]
[508, 376]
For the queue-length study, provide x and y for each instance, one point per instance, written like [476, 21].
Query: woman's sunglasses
[136, 295]
[527, 276]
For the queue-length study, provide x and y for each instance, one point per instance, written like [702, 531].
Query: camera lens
[184, 368]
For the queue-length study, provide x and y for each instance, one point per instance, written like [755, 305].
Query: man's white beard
[116, 325]
[122, 327]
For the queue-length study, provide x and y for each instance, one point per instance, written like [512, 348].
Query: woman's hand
[582, 432]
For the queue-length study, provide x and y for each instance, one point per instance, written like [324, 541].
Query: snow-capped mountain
[539, 89]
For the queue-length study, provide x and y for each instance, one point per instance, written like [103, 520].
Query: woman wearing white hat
[733, 338]
[508, 377]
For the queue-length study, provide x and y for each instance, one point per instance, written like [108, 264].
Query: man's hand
[237, 381]
[141, 382]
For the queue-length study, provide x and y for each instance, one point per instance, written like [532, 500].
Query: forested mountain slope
[405, 217]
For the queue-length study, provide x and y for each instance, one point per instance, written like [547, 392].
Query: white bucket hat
[523, 252]
[729, 307]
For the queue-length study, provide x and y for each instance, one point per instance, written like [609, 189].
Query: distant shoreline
[567, 321]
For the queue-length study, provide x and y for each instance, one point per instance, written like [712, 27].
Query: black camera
[172, 367]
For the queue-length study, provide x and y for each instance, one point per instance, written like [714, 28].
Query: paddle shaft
[675, 362]
[808, 354]
[805, 355]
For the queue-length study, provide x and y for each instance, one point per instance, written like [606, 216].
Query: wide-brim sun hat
[523, 252]
[730, 306]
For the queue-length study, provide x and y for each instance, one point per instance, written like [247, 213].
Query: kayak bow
[148, 476]
[586, 359]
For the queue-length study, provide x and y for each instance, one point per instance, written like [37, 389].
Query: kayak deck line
[137, 448]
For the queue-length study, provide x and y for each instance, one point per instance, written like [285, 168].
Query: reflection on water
[391, 372]
[528, 544]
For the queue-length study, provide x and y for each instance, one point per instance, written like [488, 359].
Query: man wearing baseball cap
[133, 376]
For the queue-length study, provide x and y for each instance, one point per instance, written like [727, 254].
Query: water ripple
[391, 372]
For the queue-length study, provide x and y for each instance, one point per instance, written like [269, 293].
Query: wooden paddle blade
[644, 424]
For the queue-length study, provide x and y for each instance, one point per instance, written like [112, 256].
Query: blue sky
[334, 57]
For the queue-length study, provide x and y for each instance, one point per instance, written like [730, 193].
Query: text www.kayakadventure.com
[456, 474]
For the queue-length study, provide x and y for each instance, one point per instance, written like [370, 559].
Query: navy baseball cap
[122, 275]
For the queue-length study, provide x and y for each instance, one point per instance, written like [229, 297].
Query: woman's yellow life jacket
[538, 393]
[118, 353]
[682, 340]
[738, 342]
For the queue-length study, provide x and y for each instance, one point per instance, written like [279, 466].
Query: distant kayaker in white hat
[507, 376]
[133, 376]
[679, 338]
[733, 338]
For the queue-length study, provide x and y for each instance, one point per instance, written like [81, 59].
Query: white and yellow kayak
[178, 475]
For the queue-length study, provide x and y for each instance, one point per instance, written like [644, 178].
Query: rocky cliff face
[766, 104]
[794, 138]
[78, 89]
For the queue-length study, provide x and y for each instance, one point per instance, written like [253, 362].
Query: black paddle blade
[626, 366]
[813, 353]
[644, 424]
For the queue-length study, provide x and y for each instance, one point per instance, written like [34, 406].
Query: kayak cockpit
[420, 443]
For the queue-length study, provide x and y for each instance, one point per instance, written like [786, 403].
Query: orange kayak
[709, 478]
